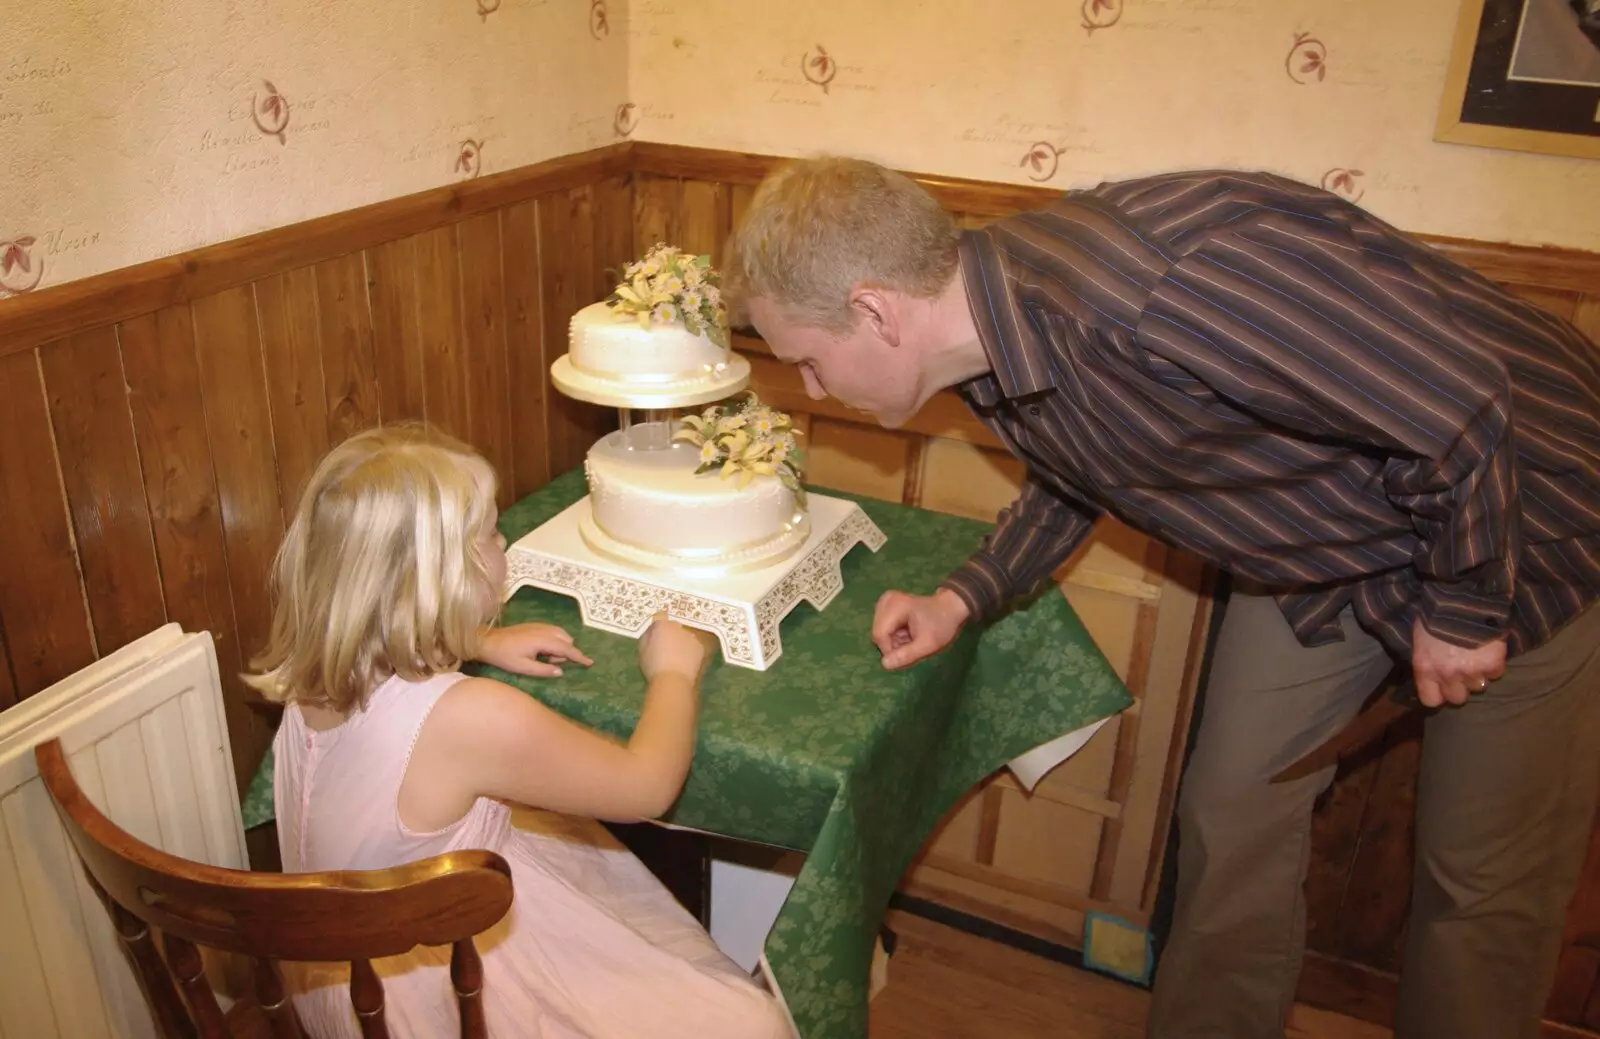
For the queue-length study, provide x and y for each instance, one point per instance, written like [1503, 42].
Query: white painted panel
[144, 734]
[47, 869]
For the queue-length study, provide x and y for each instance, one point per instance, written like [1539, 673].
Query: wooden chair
[356, 916]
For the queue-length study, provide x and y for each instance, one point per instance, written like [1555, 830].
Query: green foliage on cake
[746, 439]
[669, 286]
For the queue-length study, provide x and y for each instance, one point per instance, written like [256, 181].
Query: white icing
[602, 342]
[651, 507]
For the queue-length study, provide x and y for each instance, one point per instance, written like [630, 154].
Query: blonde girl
[388, 579]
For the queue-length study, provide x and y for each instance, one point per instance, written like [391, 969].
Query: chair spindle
[466, 975]
[267, 984]
[366, 994]
[172, 1020]
[185, 961]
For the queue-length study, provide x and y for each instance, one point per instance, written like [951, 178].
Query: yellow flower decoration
[747, 440]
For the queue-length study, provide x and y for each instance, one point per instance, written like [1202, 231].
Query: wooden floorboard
[947, 984]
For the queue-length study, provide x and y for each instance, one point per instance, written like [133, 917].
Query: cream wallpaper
[134, 129]
[1072, 92]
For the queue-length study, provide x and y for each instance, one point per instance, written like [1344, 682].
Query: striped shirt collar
[1018, 356]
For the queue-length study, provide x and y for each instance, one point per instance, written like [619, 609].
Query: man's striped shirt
[1261, 373]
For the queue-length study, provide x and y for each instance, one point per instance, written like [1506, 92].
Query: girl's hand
[668, 646]
[537, 650]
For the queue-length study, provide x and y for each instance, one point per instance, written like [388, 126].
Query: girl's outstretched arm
[487, 739]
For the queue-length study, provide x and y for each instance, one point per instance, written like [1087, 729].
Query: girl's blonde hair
[381, 571]
[817, 228]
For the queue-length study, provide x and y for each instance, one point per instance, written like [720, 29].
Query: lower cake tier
[650, 509]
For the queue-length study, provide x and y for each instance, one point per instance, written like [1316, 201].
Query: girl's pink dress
[593, 947]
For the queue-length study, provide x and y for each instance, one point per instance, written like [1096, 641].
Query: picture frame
[1523, 75]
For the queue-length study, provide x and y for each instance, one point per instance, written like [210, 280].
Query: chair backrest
[355, 915]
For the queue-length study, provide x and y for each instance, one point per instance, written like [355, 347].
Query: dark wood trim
[975, 197]
[103, 299]
[1566, 270]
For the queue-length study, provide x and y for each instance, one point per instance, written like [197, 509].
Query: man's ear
[877, 310]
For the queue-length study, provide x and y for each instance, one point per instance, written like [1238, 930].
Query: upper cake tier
[660, 340]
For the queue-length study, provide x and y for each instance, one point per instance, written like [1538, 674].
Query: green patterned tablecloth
[827, 753]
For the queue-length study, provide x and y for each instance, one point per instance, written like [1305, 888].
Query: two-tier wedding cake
[711, 492]
[702, 516]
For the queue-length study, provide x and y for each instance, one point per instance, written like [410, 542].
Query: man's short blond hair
[817, 228]
[381, 570]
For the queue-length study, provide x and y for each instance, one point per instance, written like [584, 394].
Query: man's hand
[518, 649]
[1447, 672]
[907, 628]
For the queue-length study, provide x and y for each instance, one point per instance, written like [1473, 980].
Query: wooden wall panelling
[297, 398]
[739, 196]
[962, 479]
[483, 346]
[87, 394]
[527, 365]
[705, 218]
[657, 207]
[855, 458]
[566, 263]
[614, 248]
[1373, 922]
[42, 600]
[614, 244]
[238, 420]
[1563, 304]
[396, 334]
[8, 684]
[444, 372]
[1336, 832]
[349, 365]
[1586, 315]
[164, 395]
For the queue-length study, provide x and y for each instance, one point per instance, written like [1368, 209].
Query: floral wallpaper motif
[1344, 182]
[1101, 14]
[626, 119]
[1307, 60]
[469, 160]
[818, 67]
[1042, 161]
[270, 112]
[20, 270]
[487, 7]
[599, 19]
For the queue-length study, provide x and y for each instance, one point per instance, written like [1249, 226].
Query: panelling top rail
[33, 319]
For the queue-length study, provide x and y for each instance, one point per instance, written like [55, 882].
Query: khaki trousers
[1505, 803]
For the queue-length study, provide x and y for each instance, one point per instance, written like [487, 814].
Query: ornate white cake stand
[743, 609]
